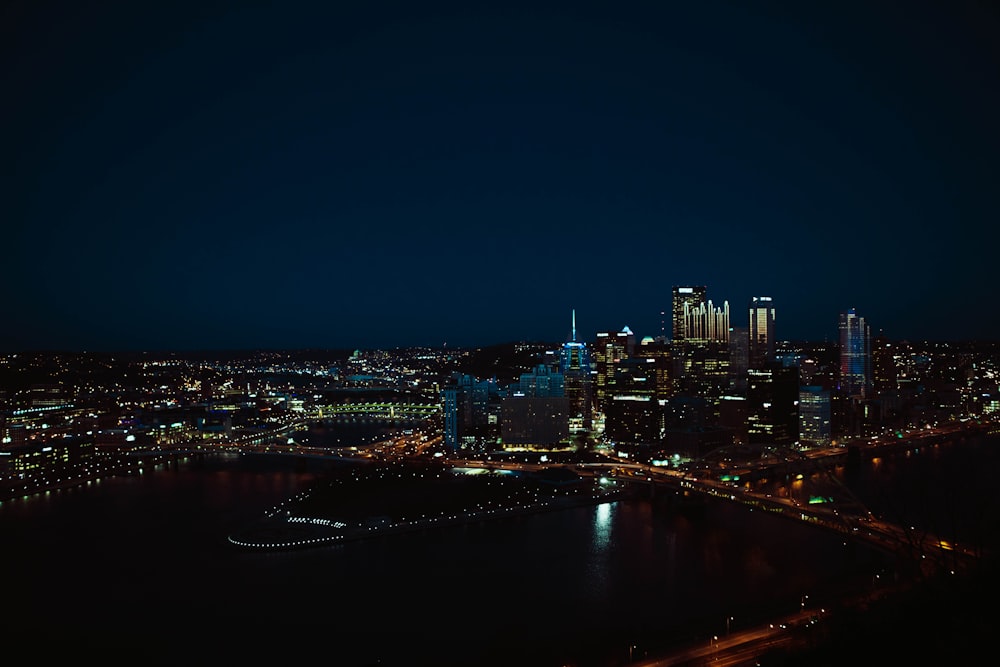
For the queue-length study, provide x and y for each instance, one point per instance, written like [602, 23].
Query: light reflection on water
[598, 560]
[575, 573]
[602, 527]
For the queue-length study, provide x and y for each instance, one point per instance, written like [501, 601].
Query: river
[138, 570]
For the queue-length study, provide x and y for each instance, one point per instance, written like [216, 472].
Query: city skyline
[203, 176]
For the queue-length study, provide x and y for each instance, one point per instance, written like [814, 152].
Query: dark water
[137, 570]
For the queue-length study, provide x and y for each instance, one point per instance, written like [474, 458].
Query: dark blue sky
[368, 174]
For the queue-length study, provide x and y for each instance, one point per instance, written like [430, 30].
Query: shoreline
[289, 532]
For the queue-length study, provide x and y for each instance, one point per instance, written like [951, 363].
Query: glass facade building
[761, 333]
[855, 355]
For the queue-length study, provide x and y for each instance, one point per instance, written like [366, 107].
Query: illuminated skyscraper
[855, 355]
[659, 352]
[684, 297]
[610, 350]
[700, 345]
[705, 322]
[814, 415]
[574, 364]
[761, 331]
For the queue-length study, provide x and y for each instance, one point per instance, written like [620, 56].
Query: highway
[742, 647]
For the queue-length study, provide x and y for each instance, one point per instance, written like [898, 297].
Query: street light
[728, 620]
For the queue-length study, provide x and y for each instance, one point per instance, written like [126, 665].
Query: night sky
[205, 175]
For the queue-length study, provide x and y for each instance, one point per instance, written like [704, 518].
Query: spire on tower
[574, 325]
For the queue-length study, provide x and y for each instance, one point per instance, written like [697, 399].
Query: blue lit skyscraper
[574, 364]
[855, 355]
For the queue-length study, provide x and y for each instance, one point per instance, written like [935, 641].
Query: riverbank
[575, 587]
[103, 466]
[294, 532]
[386, 500]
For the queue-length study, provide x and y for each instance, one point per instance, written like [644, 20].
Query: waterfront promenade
[284, 529]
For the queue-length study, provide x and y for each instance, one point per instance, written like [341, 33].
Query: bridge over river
[378, 410]
[834, 508]
[848, 518]
[824, 501]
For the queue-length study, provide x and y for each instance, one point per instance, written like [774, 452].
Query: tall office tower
[633, 419]
[606, 355]
[573, 354]
[773, 405]
[885, 381]
[884, 375]
[701, 349]
[465, 405]
[659, 351]
[761, 331]
[632, 413]
[703, 321]
[814, 416]
[635, 376]
[704, 369]
[626, 339]
[855, 355]
[541, 382]
[610, 349]
[684, 297]
[739, 359]
[574, 364]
